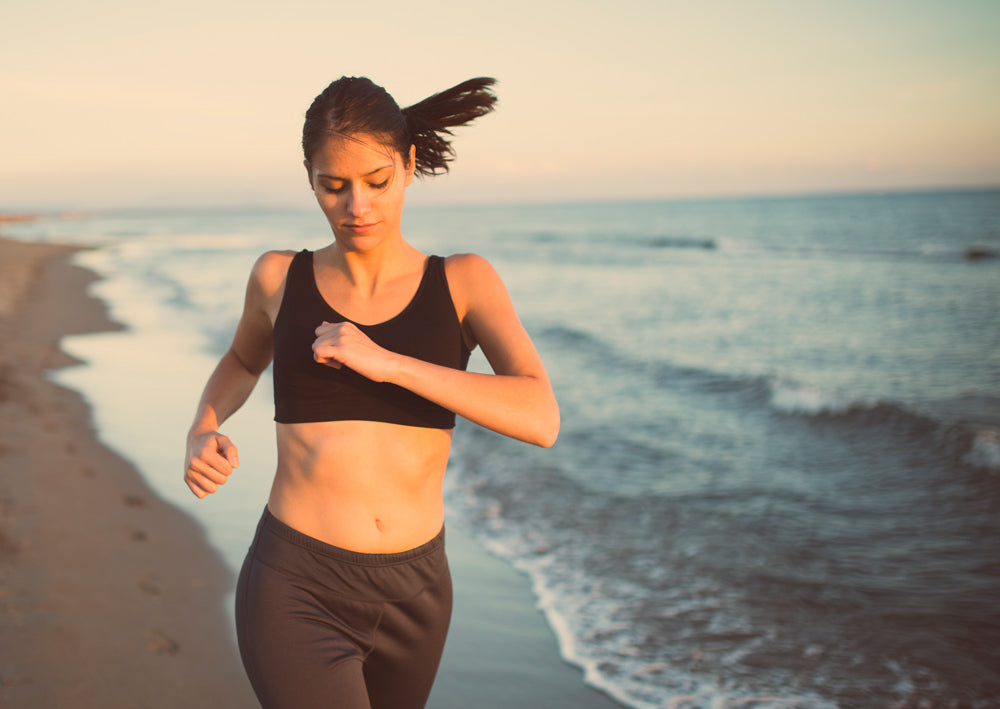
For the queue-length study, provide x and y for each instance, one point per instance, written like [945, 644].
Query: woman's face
[360, 184]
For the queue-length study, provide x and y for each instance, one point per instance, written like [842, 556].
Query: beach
[776, 481]
[111, 596]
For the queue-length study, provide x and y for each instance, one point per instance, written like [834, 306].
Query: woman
[344, 597]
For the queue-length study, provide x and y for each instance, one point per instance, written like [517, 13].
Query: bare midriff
[366, 486]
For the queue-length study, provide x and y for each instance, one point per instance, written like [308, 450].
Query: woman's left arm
[516, 400]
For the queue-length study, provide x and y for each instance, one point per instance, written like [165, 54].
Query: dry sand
[109, 597]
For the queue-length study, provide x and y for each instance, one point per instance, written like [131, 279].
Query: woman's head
[356, 107]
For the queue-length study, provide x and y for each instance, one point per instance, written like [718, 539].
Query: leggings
[320, 626]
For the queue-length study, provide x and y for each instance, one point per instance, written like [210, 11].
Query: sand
[109, 597]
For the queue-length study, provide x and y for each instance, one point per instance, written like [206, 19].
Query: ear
[309, 172]
[411, 165]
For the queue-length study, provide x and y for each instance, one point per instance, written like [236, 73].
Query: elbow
[547, 430]
[548, 440]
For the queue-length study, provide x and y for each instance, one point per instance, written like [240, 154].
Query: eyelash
[377, 186]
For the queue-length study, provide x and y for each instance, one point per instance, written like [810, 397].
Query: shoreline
[109, 596]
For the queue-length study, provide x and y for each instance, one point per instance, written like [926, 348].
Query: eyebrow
[367, 174]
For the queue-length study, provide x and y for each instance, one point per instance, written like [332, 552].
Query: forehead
[353, 154]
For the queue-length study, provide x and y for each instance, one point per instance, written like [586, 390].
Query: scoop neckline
[401, 313]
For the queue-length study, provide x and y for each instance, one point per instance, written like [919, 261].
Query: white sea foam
[791, 398]
[586, 615]
[985, 452]
[734, 246]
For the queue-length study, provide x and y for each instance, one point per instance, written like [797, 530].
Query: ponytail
[351, 106]
[430, 120]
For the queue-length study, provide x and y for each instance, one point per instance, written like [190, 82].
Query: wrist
[399, 370]
[201, 427]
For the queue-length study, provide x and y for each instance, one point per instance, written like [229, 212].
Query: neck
[366, 270]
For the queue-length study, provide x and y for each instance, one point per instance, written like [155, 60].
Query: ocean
[777, 483]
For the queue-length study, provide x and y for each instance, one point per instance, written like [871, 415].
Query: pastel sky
[110, 103]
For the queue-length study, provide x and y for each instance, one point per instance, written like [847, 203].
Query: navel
[379, 526]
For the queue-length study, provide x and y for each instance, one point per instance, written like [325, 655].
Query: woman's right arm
[211, 456]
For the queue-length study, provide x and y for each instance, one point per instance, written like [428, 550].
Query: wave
[971, 444]
[985, 450]
[792, 398]
[586, 345]
[972, 253]
[968, 431]
[604, 606]
[682, 242]
[572, 610]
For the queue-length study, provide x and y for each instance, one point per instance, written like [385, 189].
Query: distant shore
[12, 217]
[109, 597]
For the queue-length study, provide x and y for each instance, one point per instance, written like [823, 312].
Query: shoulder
[269, 271]
[474, 284]
[469, 271]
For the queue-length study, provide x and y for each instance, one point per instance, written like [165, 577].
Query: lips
[361, 227]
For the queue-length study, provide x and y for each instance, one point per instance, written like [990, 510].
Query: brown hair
[352, 105]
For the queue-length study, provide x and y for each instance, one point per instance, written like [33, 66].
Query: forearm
[226, 391]
[519, 406]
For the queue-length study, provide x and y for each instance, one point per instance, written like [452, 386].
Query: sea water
[777, 482]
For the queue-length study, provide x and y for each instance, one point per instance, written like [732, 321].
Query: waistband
[271, 524]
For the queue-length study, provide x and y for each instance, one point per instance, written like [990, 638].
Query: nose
[358, 202]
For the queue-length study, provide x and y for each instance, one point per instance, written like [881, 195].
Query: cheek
[327, 200]
[393, 197]
[328, 205]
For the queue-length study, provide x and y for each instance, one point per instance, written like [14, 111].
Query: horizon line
[14, 214]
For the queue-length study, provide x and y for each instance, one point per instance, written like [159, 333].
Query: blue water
[778, 478]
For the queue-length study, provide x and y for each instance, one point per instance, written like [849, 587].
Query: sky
[117, 103]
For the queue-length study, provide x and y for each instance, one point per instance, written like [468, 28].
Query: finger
[325, 354]
[325, 327]
[211, 456]
[205, 486]
[199, 485]
[216, 463]
[328, 361]
[324, 359]
[198, 492]
[209, 472]
[228, 451]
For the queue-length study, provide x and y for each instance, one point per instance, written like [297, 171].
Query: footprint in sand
[138, 501]
[149, 585]
[161, 643]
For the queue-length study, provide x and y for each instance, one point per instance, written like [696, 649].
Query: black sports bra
[306, 391]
